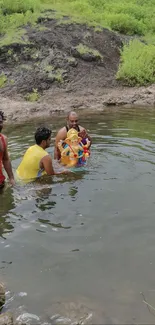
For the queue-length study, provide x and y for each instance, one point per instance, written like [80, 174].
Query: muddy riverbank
[58, 65]
[61, 101]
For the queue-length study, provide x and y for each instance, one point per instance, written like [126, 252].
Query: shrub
[11, 22]
[127, 8]
[19, 6]
[137, 66]
[3, 80]
[125, 24]
[33, 96]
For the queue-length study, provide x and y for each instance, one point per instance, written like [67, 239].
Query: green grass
[57, 75]
[132, 17]
[137, 64]
[19, 6]
[33, 96]
[83, 49]
[3, 80]
[19, 37]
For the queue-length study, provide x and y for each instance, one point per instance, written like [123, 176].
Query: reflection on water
[80, 248]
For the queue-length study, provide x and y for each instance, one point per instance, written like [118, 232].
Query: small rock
[6, 319]
[150, 90]
[2, 296]
[87, 56]
[140, 103]
[72, 62]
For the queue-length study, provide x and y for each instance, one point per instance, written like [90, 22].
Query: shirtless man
[4, 157]
[72, 122]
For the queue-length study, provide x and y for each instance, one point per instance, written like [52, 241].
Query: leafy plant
[3, 80]
[33, 96]
[137, 66]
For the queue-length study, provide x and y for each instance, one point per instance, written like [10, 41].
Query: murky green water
[82, 244]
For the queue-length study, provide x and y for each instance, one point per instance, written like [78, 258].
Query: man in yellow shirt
[36, 161]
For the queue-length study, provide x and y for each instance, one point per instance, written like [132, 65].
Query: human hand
[88, 143]
[83, 134]
[66, 171]
[12, 181]
[60, 144]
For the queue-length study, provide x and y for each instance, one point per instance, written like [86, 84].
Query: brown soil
[59, 101]
[29, 65]
[48, 59]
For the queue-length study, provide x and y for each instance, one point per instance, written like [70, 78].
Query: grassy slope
[132, 17]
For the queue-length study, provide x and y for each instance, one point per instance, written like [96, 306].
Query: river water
[81, 248]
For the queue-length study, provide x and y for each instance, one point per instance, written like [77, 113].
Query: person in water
[36, 161]
[72, 122]
[4, 156]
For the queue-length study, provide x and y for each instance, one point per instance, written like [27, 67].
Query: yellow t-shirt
[29, 167]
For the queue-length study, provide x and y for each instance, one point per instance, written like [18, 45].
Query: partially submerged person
[72, 122]
[36, 161]
[73, 151]
[4, 156]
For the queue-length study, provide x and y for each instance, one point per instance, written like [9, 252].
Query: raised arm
[7, 164]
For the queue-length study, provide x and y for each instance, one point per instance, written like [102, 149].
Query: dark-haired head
[2, 119]
[43, 137]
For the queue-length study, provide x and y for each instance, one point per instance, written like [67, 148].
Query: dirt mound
[59, 54]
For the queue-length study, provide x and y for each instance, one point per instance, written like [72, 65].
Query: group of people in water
[36, 161]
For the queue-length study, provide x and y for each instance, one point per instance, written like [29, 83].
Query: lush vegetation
[137, 64]
[132, 17]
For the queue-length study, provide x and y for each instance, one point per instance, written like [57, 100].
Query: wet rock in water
[6, 319]
[2, 296]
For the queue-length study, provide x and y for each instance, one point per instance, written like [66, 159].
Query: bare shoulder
[62, 130]
[47, 158]
[62, 133]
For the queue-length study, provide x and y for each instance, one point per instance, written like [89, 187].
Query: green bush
[128, 17]
[131, 9]
[149, 39]
[137, 66]
[150, 24]
[11, 22]
[97, 4]
[33, 96]
[3, 80]
[19, 6]
[80, 6]
[131, 17]
[125, 24]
